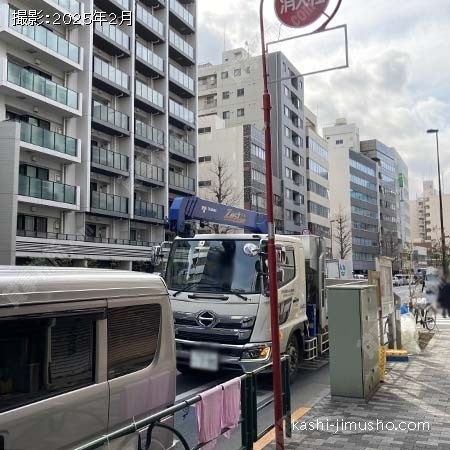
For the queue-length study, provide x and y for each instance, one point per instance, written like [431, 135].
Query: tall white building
[353, 194]
[98, 126]
[318, 185]
[233, 92]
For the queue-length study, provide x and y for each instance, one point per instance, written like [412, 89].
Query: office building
[98, 131]
[233, 92]
[394, 216]
[353, 195]
[317, 180]
[426, 217]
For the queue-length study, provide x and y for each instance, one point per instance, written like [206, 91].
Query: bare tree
[222, 189]
[222, 186]
[342, 235]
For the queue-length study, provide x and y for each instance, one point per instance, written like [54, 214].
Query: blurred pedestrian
[423, 282]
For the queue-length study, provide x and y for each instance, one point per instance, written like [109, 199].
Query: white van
[82, 353]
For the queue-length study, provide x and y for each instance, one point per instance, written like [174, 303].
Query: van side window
[44, 357]
[288, 266]
[133, 334]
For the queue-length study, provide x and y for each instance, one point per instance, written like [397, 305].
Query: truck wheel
[294, 357]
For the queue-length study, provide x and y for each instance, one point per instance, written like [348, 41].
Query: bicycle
[425, 315]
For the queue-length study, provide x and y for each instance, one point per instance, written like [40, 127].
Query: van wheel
[294, 357]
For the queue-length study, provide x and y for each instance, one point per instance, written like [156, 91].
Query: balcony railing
[125, 4]
[73, 6]
[149, 19]
[109, 202]
[180, 44]
[109, 115]
[47, 190]
[109, 72]
[149, 210]
[41, 85]
[47, 38]
[114, 33]
[149, 133]
[179, 9]
[181, 181]
[109, 158]
[81, 238]
[181, 78]
[149, 171]
[48, 139]
[149, 56]
[146, 92]
[182, 147]
[181, 112]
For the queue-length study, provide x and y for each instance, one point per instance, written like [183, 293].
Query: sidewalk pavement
[414, 392]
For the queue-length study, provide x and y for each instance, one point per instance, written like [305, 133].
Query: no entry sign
[300, 13]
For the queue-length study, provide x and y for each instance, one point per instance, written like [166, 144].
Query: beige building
[317, 181]
[233, 92]
[425, 215]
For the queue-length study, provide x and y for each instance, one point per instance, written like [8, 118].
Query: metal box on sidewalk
[353, 331]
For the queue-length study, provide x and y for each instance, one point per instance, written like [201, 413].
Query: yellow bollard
[382, 362]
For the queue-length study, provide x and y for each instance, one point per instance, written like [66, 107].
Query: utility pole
[441, 208]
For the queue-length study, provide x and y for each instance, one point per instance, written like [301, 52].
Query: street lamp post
[441, 209]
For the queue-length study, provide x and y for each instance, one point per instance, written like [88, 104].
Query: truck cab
[218, 287]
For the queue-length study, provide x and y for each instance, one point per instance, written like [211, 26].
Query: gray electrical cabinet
[354, 345]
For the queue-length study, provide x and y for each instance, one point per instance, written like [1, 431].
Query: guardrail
[248, 421]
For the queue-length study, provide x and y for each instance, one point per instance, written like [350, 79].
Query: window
[211, 100]
[240, 92]
[237, 72]
[133, 334]
[34, 172]
[319, 210]
[362, 168]
[287, 92]
[44, 357]
[363, 197]
[364, 242]
[339, 141]
[204, 130]
[258, 176]
[317, 168]
[319, 230]
[362, 182]
[363, 256]
[224, 75]
[372, 228]
[317, 188]
[203, 159]
[226, 114]
[287, 111]
[226, 95]
[364, 212]
[30, 225]
[286, 262]
[240, 112]
[289, 194]
[316, 148]
[287, 132]
[259, 152]
[204, 183]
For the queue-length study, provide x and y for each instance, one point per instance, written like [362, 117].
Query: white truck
[218, 287]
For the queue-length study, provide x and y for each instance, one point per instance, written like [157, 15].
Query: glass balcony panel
[24, 185]
[63, 47]
[47, 190]
[61, 95]
[58, 192]
[70, 194]
[48, 139]
[40, 86]
[71, 146]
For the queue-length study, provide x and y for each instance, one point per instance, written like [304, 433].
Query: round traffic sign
[300, 13]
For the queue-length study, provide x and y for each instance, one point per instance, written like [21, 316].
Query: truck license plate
[204, 360]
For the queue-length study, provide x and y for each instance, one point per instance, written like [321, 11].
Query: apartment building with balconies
[233, 91]
[98, 124]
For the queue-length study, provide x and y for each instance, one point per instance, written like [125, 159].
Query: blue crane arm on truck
[187, 209]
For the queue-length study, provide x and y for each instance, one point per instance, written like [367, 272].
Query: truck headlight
[257, 353]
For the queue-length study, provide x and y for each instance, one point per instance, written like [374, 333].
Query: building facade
[99, 128]
[231, 166]
[233, 92]
[353, 195]
[317, 180]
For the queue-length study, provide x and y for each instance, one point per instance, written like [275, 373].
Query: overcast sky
[398, 83]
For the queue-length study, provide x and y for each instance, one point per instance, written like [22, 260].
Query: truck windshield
[214, 266]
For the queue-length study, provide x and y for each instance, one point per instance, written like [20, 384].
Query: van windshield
[216, 266]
